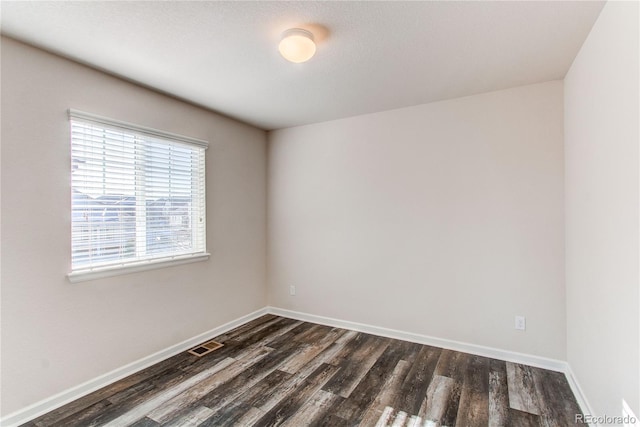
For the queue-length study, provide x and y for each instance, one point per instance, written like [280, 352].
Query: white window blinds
[138, 194]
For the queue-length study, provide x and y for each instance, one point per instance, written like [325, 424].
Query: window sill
[117, 270]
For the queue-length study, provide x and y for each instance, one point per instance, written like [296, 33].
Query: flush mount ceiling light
[297, 45]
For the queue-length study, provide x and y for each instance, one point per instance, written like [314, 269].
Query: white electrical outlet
[292, 290]
[521, 323]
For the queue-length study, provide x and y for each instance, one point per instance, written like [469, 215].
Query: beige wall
[55, 334]
[443, 219]
[601, 137]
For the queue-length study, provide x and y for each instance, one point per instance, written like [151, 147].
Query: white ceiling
[372, 56]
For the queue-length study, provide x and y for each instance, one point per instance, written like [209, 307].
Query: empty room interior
[320, 213]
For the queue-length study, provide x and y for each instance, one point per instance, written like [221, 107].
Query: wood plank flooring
[276, 371]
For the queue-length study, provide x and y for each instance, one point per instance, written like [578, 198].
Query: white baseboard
[39, 408]
[579, 394]
[479, 350]
[42, 407]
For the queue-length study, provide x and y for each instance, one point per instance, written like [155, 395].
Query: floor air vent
[205, 348]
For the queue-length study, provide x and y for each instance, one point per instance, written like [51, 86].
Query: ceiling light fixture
[297, 45]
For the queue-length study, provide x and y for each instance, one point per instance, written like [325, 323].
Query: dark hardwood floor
[279, 371]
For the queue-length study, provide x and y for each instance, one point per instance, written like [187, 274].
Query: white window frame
[96, 272]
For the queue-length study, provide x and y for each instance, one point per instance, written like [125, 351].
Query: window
[138, 197]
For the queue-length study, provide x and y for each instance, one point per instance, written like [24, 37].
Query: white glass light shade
[297, 45]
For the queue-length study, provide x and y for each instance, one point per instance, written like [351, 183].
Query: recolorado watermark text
[605, 419]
